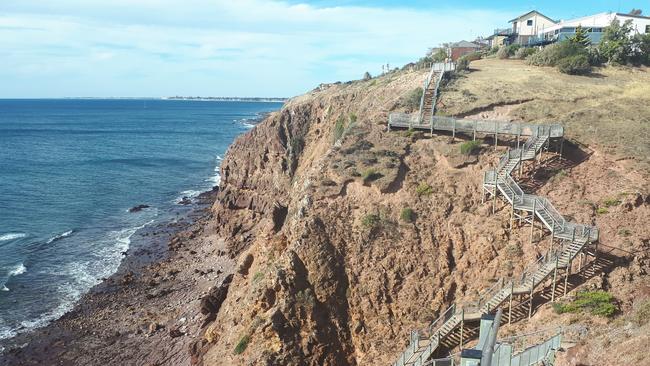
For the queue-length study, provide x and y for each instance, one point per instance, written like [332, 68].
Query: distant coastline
[230, 99]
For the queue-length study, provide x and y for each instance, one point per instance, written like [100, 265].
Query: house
[529, 25]
[501, 37]
[594, 25]
[462, 48]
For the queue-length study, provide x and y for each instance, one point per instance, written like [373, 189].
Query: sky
[254, 48]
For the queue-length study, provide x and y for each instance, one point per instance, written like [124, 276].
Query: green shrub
[424, 189]
[525, 52]
[502, 53]
[598, 302]
[370, 175]
[474, 56]
[617, 46]
[462, 64]
[611, 202]
[241, 346]
[412, 100]
[493, 50]
[469, 147]
[512, 49]
[601, 210]
[339, 129]
[574, 65]
[439, 56]
[407, 215]
[552, 54]
[371, 221]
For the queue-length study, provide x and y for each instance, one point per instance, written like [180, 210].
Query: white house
[594, 25]
[529, 25]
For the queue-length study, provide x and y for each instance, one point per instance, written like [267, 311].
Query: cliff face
[348, 236]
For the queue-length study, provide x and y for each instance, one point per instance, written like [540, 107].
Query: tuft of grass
[642, 314]
[339, 129]
[242, 344]
[601, 210]
[624, 232]
[599, 303]
[370, 175]
[611, 202]
[371, 221]
[407, 215]
[469, 147]
[424, 189]
[257, 277]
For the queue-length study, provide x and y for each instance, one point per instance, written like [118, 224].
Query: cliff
[347, 236]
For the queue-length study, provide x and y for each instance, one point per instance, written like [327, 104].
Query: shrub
[574, 65]
[599, 303]
[370, 175]
[469, 147]
[241, 346]
[524, 53]
[424, 189]
[616, 45]
[552, 54]
[462, 64]
[473, 56]
[493, 50]
[642, 314]
[339, 129]
[601, 210]
[503, 53]
[407, 215]
[439, 56]
[611, 202]
[371, 220]
[624, 232]
[412, 100]
[367, 76]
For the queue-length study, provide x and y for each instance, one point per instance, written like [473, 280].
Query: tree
[616, 45]
[641, 47]
[440, 55]
[367, 76]
[581, 37]
[635, 11]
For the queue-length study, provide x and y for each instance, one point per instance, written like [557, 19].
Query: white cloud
[244, 47]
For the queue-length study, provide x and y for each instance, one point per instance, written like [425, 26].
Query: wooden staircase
[573, 238]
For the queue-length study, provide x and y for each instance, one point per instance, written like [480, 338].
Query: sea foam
[12, 236]
[59, 237]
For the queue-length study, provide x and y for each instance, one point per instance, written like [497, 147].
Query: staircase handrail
[442, 319]
[424, 92]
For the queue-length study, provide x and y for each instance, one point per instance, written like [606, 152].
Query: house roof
[530, 13]
[464, 44]
[632, 16]
[599, 20]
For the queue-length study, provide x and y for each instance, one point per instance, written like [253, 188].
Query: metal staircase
[571, 239]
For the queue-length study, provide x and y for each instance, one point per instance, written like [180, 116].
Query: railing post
[496, 135]
[453, 132]
[553, 235]
[474, 132]
[566, 277]
[530, 303]
[512, 290]
[554, 278]
[462, 326]
[532, 221]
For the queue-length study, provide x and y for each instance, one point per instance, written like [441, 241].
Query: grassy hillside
[608, 110]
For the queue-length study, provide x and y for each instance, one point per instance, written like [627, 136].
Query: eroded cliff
[348, 236]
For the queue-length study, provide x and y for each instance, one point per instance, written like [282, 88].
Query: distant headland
[229, 99]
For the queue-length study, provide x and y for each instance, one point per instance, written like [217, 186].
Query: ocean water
[70, 170]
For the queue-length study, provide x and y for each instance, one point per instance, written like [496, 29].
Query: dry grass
[609, 110]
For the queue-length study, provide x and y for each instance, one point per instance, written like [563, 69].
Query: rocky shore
[150, 312]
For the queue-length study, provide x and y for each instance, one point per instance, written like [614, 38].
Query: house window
[647, 28]
[529, 22]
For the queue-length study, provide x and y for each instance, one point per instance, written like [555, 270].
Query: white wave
[60, 236]
[18, 270]
[12, 236]
[219, 158]
[190, 193]
[215, 179]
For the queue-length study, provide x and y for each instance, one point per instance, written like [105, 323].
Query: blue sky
[157, 48]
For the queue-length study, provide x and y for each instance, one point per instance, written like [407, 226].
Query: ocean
[70, 170]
